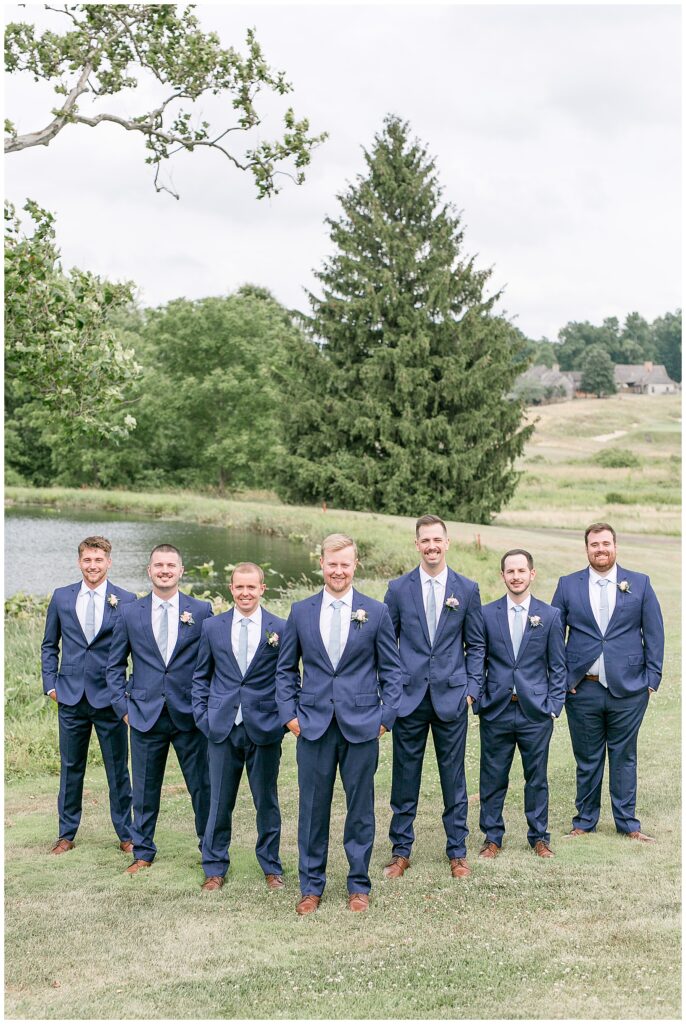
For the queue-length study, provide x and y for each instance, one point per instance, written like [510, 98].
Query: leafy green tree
[574, 339]
[637, 339]
[66, 373]
[666, 331]
[398, 403]
[110, 49]
[597, 372]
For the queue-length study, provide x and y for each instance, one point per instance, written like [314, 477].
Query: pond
[41, 551]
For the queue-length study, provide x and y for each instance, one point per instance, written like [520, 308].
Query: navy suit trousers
[498, 741]
[599, 722]
[149, 752]
[226, 761]
[76, 723]
[317, 763]
[409, 743]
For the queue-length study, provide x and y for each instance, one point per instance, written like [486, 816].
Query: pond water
[41, 550]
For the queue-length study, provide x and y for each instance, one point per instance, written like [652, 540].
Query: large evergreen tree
[398, 404]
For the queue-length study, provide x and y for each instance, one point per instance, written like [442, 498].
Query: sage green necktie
[90, 617]
[335, 633]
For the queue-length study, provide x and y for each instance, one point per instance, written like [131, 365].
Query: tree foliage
[109, 49]
[398, 404]
[598, 373]
[636, 341]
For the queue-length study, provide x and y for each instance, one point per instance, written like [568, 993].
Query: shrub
[616, 458]
[615, 498]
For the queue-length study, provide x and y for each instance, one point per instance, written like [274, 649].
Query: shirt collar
[611, 576]
[525, 604]
[254, 617]
[442, 577]
[100, 590]
[173, 602]
[328, 598]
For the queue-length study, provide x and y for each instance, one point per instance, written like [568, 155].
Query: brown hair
[429, 520]
[517, 551]
[165, 547]
[96, 542]
[248, 567]
[598, 528]
[338, 541]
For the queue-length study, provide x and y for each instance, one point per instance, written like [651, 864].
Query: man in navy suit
[437, 618]
[524, 692]
[347, 700]
[615, 646]
[234, 704]
[161, 632]
[81, 618]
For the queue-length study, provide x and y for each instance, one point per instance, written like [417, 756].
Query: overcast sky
[556, 132]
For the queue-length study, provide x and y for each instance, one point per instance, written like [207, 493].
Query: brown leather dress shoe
[274, 881]
[137, 866]
[307, 904]
[396, 867]
[489, 851]
[640, 837]
[358, 901]
[575, 833]
[126, 846]
[542, 849]
[459, 868]
[62, 846]
[211, 883]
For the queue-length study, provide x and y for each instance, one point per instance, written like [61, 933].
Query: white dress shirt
[326, 613]
[172, 621]
[440, 582]
[254, 637]
[82, 600]
[594, 595]
[511, 614]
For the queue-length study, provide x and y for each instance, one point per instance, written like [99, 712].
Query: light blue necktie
[604, 612]
[517, 628]
[90, 617]
[243, 646]
[163, 631]
[335, 634]
[431, 612]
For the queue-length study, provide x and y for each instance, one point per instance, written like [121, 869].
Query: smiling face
[246, 589]
[165, 570]
[601, 551]
[94, 564]
[338, 569]
[517, 576]
[432, 543]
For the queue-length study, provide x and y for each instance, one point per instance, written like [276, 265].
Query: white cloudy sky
[555, 130]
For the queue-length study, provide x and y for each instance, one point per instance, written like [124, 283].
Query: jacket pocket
[306, 698]
[214, 702]
[366, 700]
[635, 659]
[267, 705]
[138, 694]
[458, 678]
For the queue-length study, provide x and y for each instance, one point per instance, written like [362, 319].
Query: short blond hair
[248, 567]
[338, 541]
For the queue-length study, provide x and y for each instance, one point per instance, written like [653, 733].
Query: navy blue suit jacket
[634, 641]
[539, 670]
[454, 665]
[151, 683]
[219, 687]
[82, 668]
[364, 689]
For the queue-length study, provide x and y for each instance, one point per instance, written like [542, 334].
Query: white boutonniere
[113, 600]
[452, 602]
[359, 617]
[535, 621]
[187, 618]
[272, 639]
[624, 586]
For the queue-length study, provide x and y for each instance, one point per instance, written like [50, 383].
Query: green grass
[593, 933]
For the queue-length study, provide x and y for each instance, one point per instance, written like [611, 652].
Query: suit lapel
[314, 612]
[451, 585]
[184, 605]
[585, 601]
[352, 640]
[73, 598]
[620, 599]
[501, 615]
[267, 623]
[145, 614]
[417, 596]
[107, 613]
[528, 628]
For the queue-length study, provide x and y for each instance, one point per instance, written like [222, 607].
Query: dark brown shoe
[459, 868]
[358, 901]
[640, 837]
[489, 851]
[396, 867]
[62, 846]
[211, 883]
[137, 866]
[575, 833]
[307, 904]
[126, 846]
[274, 881]
[542, 849]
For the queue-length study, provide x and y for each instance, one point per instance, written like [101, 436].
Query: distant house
[542, 384]
[644, 379]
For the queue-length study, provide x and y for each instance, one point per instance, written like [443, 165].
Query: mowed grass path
[594, 933]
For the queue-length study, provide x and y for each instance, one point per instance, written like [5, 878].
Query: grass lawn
[594, 933]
